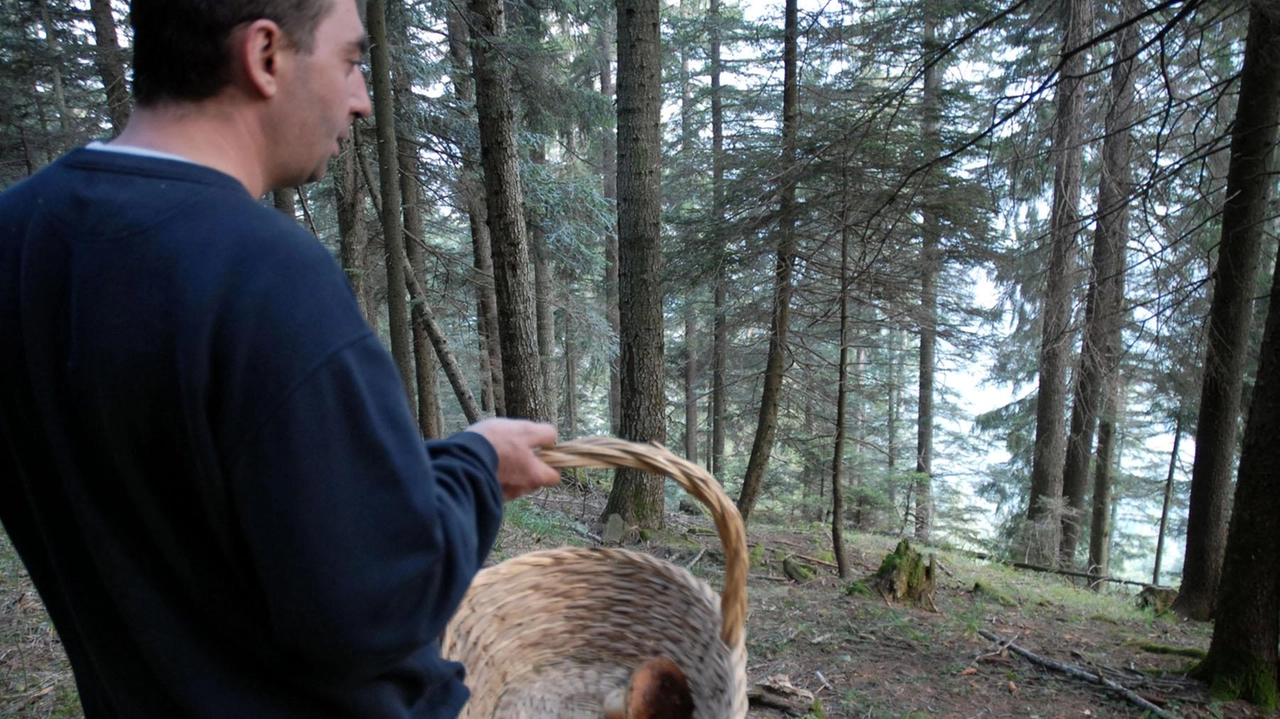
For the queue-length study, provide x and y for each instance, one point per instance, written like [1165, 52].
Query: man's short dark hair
[181, 48]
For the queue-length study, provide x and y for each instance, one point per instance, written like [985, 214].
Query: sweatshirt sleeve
[362, 538]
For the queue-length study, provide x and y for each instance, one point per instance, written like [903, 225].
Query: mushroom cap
[659, 690]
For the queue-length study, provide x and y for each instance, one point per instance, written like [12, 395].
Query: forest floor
[859, 655]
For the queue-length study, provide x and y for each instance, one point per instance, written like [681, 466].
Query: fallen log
[986, 557]
[1073, 573]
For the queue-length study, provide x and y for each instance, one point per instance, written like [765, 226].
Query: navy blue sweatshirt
[207, 462]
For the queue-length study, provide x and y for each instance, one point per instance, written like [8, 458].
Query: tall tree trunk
[1168, 498]
[423, 317]
[811, 472]
[609, 173]
[543, 292]
[487, 305]
[423, 353]
[109, 63]
[687, 150]
[1055, 340]
[1106, 465]
[1100, 352]
[472, 191]
[283, 200]
[930, 261]
[637, 497]
[775, 366]
[513, 281]
[842, 383]
[690, 381]
[570, 376]
[1242, 660]
[857, 383]
[1253, 139]
[720, 329]
[896, 382]
[411, 199]
[55, 69]
[389, 175]
[353, 242]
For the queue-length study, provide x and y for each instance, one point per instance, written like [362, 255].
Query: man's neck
[208, 133]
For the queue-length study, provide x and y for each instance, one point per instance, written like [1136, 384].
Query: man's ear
[259, 51]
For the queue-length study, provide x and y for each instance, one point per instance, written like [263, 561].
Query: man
[207, 462]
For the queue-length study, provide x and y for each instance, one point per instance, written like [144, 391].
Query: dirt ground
[865, 658]
[857, 654]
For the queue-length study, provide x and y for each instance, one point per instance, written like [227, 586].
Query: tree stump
[1157, 599]
[797, 572]
[904, 577]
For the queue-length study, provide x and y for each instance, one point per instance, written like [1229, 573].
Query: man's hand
[520, 471]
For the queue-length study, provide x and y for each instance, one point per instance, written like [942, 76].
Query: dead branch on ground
[1079, 673]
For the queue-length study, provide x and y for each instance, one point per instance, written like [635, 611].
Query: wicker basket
[548, 635]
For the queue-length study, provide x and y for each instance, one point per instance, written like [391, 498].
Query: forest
[992, 275]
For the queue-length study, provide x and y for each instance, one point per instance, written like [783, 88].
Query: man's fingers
[542, 435]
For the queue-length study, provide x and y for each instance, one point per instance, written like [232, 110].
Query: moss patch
[904, 576]
[1191, 652]
[986, 591]
[1243, 678]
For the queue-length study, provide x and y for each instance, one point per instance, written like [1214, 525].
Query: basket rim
[611, 452]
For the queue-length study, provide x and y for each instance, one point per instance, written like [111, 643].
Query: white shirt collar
[138, 151]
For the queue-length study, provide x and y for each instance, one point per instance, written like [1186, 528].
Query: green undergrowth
[527, 527]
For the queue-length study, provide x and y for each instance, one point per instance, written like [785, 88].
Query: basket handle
[605, 452]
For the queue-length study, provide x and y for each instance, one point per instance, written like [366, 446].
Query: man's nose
[361, 106]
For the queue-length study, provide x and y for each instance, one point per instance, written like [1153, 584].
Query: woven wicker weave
[548, 635]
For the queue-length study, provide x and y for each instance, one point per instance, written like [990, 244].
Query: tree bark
[1055, 339]
[544, 300]
[411, 199]
[570, 376]
[353, 242]
[930, 261]
[389, 176]
[283, 200]
[470, 187]
[636, 496]
[1106, 464]
[423, 354]
[687, 150]
[513, 281]
[897, 368]
[609, 171]
[842, 383]
[422, 315]
[1253, 139]
[110, 65]
[1100, 352]
[857, 384]
[690, 381]
[1168, 498]
[55, 70]
[1242, 660]
[775, 366]
[720, 329]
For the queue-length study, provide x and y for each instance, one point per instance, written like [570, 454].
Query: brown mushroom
[658, 690]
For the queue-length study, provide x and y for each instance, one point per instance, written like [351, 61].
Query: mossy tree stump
[905, 577]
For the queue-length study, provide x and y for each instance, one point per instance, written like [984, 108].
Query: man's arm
[362, 547]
